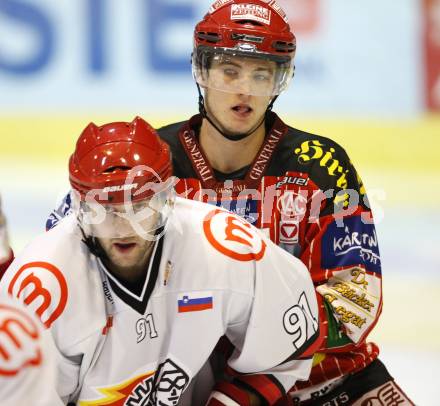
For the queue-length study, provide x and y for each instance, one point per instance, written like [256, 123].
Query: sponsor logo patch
[251, 12]
[354, 244]
[120, 188]
[325, 156]
[292, 204]
[289, 232]
[169, 383]
[292, 180]
[387, 394]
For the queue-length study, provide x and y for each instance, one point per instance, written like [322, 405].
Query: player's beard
[127, 267]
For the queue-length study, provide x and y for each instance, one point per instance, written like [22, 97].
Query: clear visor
[235, 73]
[130, 219]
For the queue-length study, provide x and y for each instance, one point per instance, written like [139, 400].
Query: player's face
[126, 234]
[236, 107]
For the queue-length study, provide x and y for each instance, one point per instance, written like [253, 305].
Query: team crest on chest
[292, 204]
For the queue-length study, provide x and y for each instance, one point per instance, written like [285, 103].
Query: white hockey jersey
[27, 358]
[211, 274]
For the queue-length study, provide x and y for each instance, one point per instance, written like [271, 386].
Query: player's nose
[244, 88]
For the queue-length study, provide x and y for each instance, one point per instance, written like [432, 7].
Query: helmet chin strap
[235, 137]
[93, 245]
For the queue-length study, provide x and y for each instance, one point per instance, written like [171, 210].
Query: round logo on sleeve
[233, 236]
[43, 288]
[19, 341]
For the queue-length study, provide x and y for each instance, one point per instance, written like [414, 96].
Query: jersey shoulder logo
[233, 236]
[19, 341]
[325, 156]
[31, 285]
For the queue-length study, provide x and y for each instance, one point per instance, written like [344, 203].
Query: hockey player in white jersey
[138, 286]
[27, 363]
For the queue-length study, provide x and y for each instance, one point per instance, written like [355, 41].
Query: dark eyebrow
[230, 63]
[270, 70]
[259, 69]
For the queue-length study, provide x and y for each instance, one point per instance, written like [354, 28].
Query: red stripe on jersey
[195, 307]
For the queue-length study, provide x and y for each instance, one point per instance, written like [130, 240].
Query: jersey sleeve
[27, 365]
[341, 250]
[282, 317]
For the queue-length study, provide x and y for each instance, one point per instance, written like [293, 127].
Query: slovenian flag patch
[194, 302]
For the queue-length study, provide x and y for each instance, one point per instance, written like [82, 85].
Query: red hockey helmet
[107, 157]
[246, 29]
[121, 170]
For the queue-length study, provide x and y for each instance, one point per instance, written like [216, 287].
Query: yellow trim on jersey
[114, 393]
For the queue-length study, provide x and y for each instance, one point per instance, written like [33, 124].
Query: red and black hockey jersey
[302, 191]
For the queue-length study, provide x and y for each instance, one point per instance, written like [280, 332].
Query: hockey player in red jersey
[6, 254]
[137, 286]
[299, 188]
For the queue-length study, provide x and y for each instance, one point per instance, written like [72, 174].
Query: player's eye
[231, 73]
[138, 207]
[262, 77]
